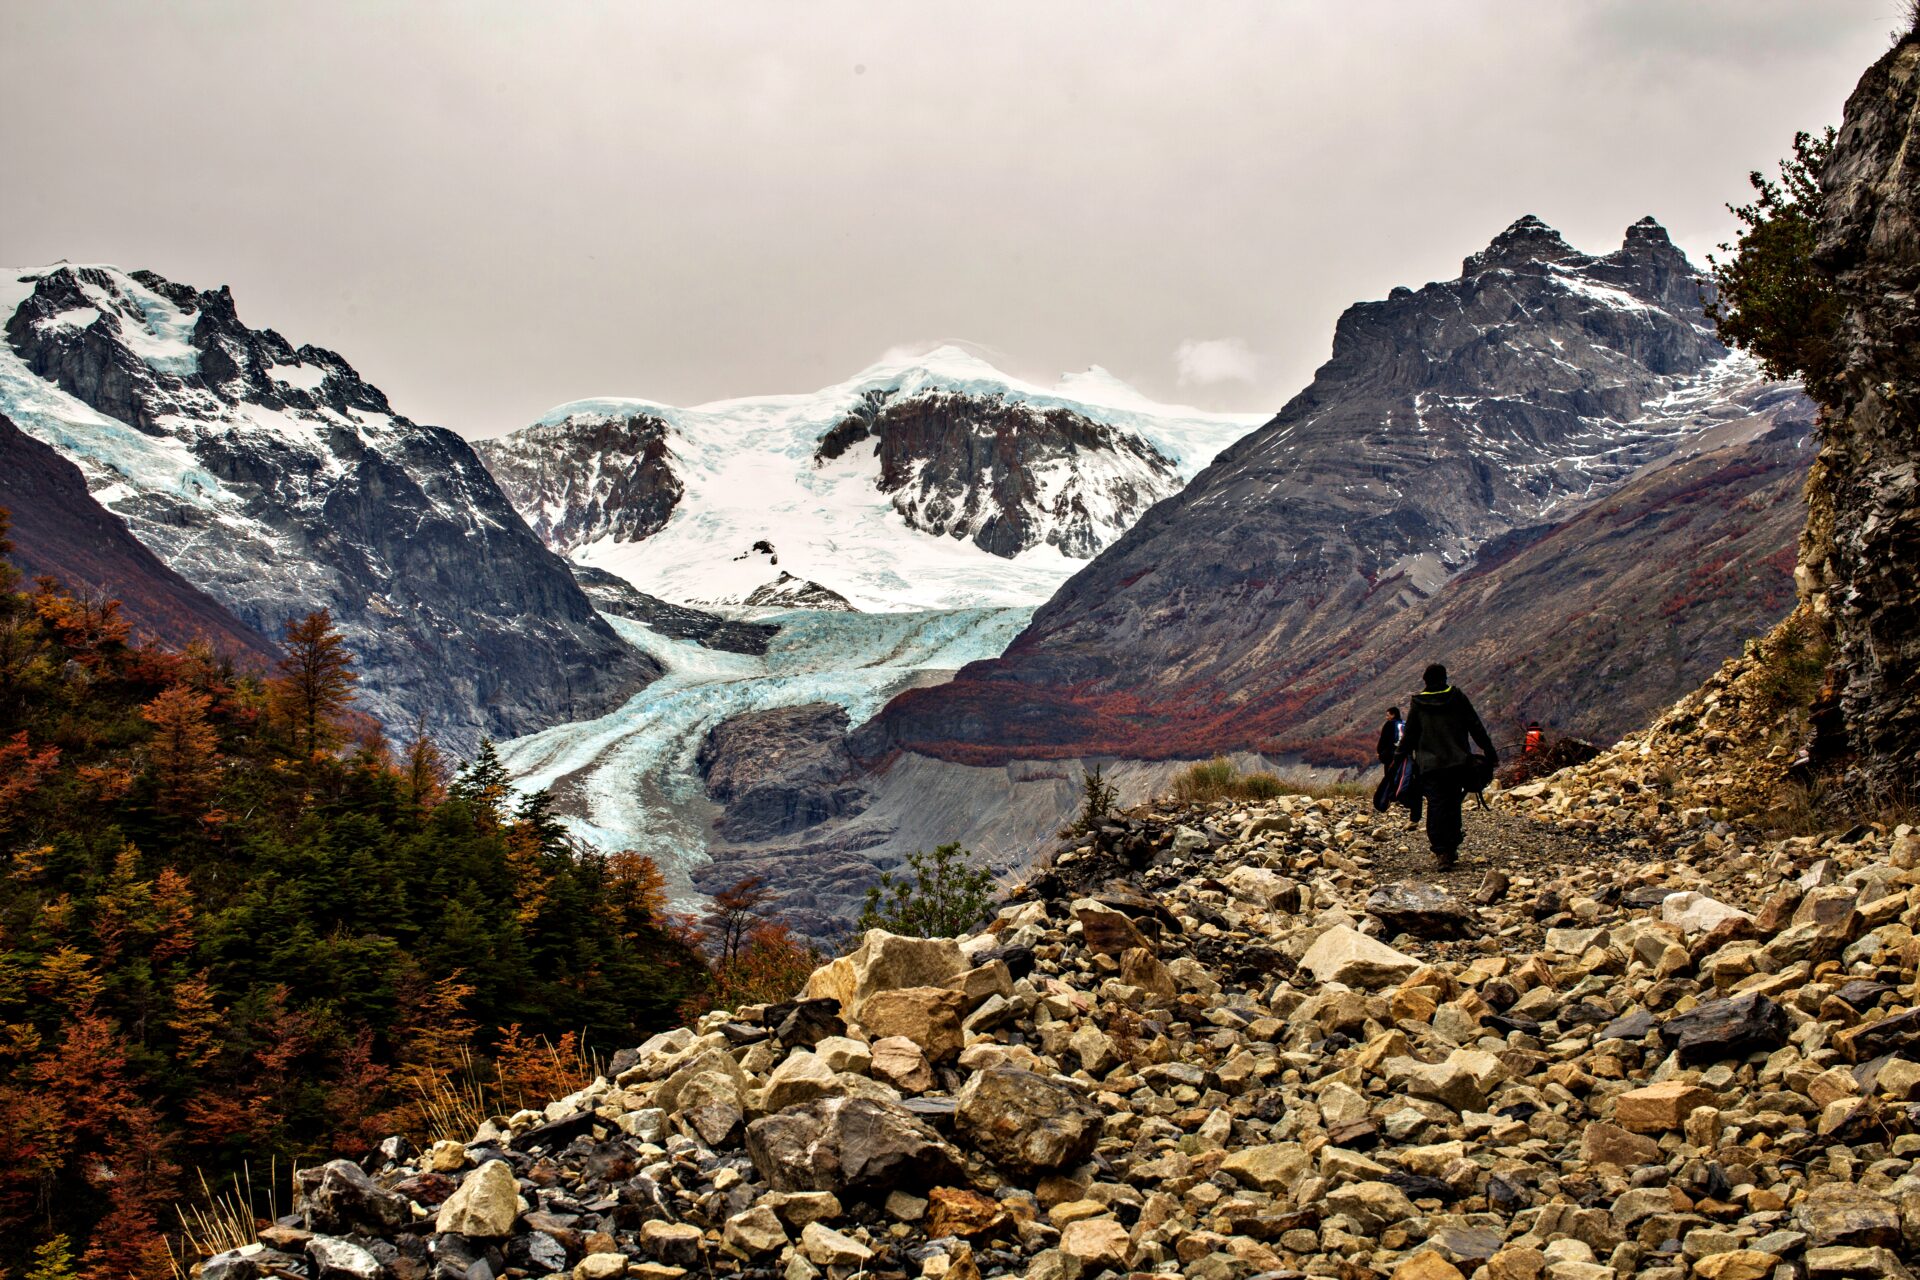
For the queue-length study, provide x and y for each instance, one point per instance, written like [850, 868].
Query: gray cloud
[494, 207]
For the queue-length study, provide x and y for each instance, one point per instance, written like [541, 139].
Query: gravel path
[1496, 838]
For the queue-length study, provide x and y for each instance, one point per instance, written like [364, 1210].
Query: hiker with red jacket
[1442, 730]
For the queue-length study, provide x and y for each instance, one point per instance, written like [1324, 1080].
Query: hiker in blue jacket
[1442, 730]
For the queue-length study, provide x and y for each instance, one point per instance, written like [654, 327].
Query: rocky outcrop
[277, 481]
[781, 771]
[588, 477]
[1578, 1089]
[615, 595]
[790, 592]
[1453, 426]
[59, 531]
[1860, 561]
[1004, 475]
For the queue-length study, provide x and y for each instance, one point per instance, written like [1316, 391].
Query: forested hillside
[235, 923]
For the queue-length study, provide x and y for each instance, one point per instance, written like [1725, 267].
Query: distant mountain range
[1547, 472]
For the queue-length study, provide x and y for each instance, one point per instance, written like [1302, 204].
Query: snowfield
[750, 476]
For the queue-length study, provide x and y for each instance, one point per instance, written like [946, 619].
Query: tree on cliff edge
[1773, 301]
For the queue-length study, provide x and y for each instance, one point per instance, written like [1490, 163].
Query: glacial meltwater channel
[627, 780]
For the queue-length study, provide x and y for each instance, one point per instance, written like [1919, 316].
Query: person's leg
[1444, 793]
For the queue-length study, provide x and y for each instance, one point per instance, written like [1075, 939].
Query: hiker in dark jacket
[1390, 736]
[1442, 730]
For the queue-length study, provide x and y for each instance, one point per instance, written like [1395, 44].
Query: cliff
[1860, 556]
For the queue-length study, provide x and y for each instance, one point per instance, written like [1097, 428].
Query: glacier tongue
[628, 781]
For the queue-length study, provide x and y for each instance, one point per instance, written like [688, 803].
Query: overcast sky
[493, 208]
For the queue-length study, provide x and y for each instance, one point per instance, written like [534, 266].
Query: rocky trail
[1622, 1038]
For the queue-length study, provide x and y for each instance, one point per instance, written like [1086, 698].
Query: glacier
[627, 780]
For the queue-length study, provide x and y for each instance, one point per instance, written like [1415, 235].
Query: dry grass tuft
[1220, 779]
[224, 1219]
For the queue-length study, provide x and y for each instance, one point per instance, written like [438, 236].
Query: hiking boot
[1445, 861]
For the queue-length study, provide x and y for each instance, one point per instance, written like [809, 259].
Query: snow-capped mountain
[1500, 405]
[929, 481]
[277, 481]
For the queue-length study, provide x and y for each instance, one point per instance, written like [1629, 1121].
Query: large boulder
[1423, 910]
[484, 1205]
[884, 962]
[340, 1199]
[1026, 1123]
[1351, 958]
[1729, 1028]
[862, 1146]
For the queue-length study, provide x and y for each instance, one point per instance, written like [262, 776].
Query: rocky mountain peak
[1528, 241]
[1539, 382]
[276, 480]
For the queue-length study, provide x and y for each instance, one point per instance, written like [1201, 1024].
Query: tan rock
[677, 1243]
[798, 1208]
[755, 1232]
[1139, 968]
[1603, 1143]
[885, 961]
[1072, 1211]
[1351, 958]
[1736, 1264]
[928, 1016]
[977, 984]
[1276, 1167]
[801, 1078]
[1096, 1243]
[825, 1247]
[843, 1053]
[899, 1062]
[1517, 1264]
[1106, 932]
[484, 1205]
[1659, 1108]
[954, 1212]
[600, 1266]
[1427, 1266]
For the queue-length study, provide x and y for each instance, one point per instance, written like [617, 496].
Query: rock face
[588, 476]
[59, 530]
[1513, 419]
[615, 595]
[1860, 561]
[278, 482]
[1004, 476]
[780, 771]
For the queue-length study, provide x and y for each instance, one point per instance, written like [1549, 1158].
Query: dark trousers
[1444, 791]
